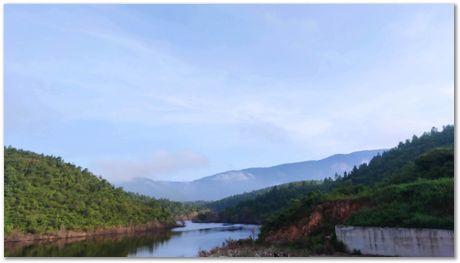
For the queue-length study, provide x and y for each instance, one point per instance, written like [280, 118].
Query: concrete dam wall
[404, 242]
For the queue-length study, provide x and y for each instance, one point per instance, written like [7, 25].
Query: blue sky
[177, 92]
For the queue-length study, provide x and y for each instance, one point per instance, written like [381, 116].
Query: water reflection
[98, 246]
[179, 242]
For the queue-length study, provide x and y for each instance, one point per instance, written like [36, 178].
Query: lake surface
[184, 241]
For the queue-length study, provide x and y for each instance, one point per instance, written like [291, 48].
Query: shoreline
[18, 236]
[253, 248]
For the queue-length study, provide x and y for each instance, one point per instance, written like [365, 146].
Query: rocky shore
[251, 248]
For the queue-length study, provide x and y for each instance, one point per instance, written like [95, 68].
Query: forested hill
[257, 206]
[44, 194]
[384, 166]
[428, 157]
[411, 185]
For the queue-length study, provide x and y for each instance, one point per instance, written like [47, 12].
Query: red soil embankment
[329, 212]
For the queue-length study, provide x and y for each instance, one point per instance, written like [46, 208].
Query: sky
[178, 92]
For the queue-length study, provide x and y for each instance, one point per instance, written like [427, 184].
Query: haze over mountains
[228, 183]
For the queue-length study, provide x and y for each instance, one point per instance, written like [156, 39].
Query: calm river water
[184, 241]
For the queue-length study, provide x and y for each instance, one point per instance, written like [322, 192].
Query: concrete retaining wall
[405, 242]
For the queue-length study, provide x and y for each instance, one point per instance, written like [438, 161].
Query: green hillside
[257, 207]
[390, 162]
[45, 194]
[233, 200]
[421, 194]
[411, 185]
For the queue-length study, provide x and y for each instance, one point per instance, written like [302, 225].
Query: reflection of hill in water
[212, 229]
[98, 246]
[215, 227]
[184, 241]
[228, 228]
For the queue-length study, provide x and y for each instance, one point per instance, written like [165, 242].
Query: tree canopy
[44, 194]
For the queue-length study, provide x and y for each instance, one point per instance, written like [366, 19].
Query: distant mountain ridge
[233, 182]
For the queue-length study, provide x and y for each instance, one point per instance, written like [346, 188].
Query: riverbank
[251, 248]
[19, 236]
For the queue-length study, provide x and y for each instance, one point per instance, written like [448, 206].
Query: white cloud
[158, 165]
[233, 176]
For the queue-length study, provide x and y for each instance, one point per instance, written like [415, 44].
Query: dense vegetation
[390, 162]
[428, 157]
[45, 194]
[179, 210]
[258, 206]
[411, 185]
[420, 195]
[233, 200]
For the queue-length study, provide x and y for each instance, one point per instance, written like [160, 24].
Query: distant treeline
[256, 207]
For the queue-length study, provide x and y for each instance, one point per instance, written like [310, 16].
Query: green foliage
[422, 204]
[178, 209]
[258, 206]
[44, 194]
[390, 162]
[434, 164]
[410, 185]
[233, 200]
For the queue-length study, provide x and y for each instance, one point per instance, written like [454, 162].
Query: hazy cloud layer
[160, 163]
